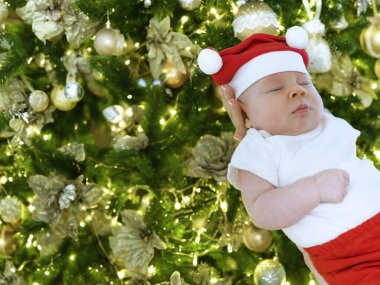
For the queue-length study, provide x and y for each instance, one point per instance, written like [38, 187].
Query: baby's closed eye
[275, 89]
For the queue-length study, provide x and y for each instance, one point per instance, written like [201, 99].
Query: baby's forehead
[281, 76]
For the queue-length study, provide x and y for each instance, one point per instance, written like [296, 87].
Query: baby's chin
[294, 131]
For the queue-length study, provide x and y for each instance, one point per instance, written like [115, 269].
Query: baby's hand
[332, 184]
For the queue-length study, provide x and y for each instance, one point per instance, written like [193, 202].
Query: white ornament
[38, 100]
[109, 41]
[297, 37]
[318, 49]
[114, 113]
[209, 61]
[147, 3]
[73, 92]
[190, 4]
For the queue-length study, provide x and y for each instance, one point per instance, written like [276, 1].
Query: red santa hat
[256, 57]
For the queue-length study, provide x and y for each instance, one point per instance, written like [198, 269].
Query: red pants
[353, 258]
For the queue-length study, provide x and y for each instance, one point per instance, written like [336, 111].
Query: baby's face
[285, 103]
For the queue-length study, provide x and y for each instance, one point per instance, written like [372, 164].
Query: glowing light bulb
[224, 206]
[173, 112]
[184, 19]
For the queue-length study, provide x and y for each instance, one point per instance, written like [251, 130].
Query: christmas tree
[114, 146]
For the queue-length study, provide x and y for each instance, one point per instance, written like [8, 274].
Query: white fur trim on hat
[209, 61]
[297, 37]
[264, 65]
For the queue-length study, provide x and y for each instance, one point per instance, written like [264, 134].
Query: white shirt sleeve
[256, 155]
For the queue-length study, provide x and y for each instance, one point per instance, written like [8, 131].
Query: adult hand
[234, 110]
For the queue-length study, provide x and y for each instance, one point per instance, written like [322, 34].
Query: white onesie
[282, 160]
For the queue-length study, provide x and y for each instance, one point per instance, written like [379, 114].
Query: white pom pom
[209, 61]
[297, 37]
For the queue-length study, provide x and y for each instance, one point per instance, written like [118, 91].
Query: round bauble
[109, 41]
[73, 91]
[269, 272]
[370, 38]
[377, 68]
[257, 239]
[254, 17]
[59, 99]
[190, 4]
[38, 100]
[174, 78]
[7, 242]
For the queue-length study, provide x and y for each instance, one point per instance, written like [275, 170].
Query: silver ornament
[73, 92]
[269, 272]
[190, 4]
[114, 113]
[147, 3]
[109, 41]
[38, 100]
[67, 196]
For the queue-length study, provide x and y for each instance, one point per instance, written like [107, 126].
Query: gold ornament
[370, 37]
[254, 17]
[7, 242]
[109, 41]
[174, 78]
[38, 100]
[344, 79]
[377, 68]
[164, 45]
[59, 100]
[269, 272]
[257, 239]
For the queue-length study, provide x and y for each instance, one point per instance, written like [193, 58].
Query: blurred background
[114, 146]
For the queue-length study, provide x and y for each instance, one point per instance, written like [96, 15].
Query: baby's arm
[277, 208]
